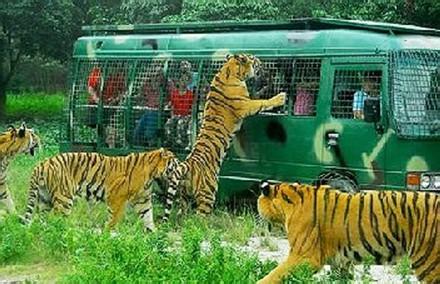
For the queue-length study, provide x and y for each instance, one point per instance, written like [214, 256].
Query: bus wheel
[342, 180]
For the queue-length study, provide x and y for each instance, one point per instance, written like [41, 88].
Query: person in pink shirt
[304, 99]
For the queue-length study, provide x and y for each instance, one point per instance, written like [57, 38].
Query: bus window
[350, 89]
[148, 85]
[275, 77]
[307, 73]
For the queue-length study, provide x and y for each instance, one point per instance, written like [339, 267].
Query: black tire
[342, 180]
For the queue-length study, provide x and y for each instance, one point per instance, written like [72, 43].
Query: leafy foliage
[211, 10]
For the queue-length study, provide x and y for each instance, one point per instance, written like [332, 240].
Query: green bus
[363, 109]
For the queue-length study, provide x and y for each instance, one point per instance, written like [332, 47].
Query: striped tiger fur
[116, 180]
[12, 143]
[227, 104]
[324, 223]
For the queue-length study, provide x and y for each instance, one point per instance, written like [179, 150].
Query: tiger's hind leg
[205, 203]
[205, 195]
[62, 195]
[143, 206]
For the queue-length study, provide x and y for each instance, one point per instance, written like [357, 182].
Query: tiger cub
[13, 142]
[116, 180]
[323, 223]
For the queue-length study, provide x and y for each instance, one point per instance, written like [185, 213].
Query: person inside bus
[181, 94]
[93, 85]
[304, 99]
[113, 90]
[146, 129]
[369, 87]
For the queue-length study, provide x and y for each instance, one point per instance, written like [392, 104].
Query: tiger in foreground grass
[12, 143]
[116, 180]
[227, 104]
[324, 223]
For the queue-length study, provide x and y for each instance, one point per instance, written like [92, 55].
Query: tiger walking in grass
[323, 224]
[227, 104]
[13, 142]
[115, 180]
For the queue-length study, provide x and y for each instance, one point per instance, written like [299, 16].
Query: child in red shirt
[178, 126]
[113, 89]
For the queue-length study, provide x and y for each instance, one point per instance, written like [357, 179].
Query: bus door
[355, 133]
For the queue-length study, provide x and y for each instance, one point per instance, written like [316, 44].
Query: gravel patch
[277, 249]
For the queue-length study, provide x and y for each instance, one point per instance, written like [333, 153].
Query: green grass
[32, 106]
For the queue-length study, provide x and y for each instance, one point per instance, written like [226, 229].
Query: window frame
[356, 65]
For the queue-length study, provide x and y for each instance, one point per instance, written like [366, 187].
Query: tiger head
[241, 66]
[15, 141]
[276, 200]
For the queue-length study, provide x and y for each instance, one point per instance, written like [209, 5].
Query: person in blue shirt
[369, 88]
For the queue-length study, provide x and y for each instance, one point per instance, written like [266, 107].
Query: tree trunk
[2, 102]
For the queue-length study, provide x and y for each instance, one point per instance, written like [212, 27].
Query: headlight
[425, 181]
[436, 181]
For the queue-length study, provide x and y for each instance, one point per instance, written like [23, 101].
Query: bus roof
[234, 26]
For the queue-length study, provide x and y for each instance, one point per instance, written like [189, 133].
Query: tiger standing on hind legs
[12, 143]
[324, 223]
[227, 104]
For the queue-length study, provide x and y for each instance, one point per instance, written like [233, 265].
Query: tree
[212, 10]
[29, 27]
[141, 11]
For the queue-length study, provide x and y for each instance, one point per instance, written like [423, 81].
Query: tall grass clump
[133, 256]
[403, 269]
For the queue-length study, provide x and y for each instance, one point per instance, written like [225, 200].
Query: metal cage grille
[351, 88]
[145, 102]
[181, 96]
[113, 97]
[275, 77]
[415, 93]
[153, 102]
[307, 74]
[82, 118]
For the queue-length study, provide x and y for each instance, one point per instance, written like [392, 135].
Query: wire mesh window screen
[209, 69]
[97, 82]
[83, 113]
[415, 92]
[351, 88]
[113, 94]
[182, 88]
[307, 74]
[275, 77]
[147, 93]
